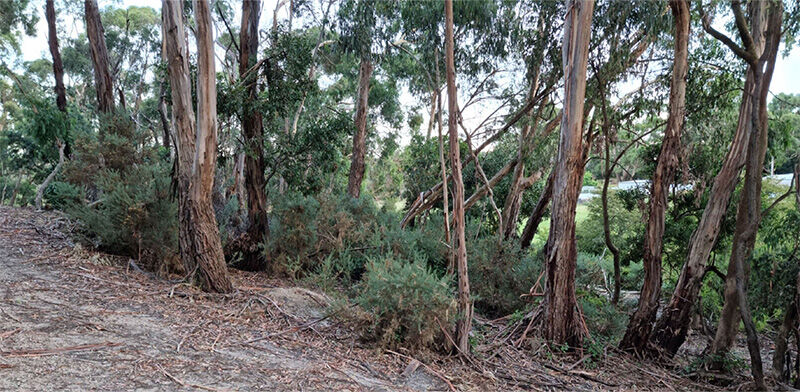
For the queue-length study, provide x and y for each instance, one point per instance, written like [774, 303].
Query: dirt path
[69, 322]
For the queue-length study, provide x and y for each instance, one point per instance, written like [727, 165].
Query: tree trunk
[561, 321]
[40, 190]
[748, 215]
[360, 136]
[606, 224]
[780, 358]
[640, 325]
[513, 200]
[200, 248]
[162, 113]
[61, 95]
[464, 323]
[58, 66]
[97, 43]
[252, 128]
[671, 329]
[445, 198]
[532, 225]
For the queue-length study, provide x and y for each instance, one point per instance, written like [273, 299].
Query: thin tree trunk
[780, 359]
[40, 190]
[61, 95]
[360, 136]
[97, 44]
[16, 189]
[464, 323]
[748, 214]
[200, 248]
[445, 201]
[640, 325]
[532, 225]
[513, 200]
[162, 113]
[671, 329]
[606, 224]
[252, 128]
[561, 321]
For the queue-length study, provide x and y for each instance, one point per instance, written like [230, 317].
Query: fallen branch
[55, 351]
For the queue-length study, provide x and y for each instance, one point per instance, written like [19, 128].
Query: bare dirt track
[79, 320]
[68, 324]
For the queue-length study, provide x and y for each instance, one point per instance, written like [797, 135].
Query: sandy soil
[68, 324]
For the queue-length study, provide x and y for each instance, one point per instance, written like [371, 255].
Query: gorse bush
[407, 303]
[131, 210]
[500, 274]
[305, 231]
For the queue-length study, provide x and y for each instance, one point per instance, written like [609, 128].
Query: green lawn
[581, 213]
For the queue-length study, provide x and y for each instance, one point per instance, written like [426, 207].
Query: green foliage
[307, 230]
[133, 212]
[625, 222]
[407, 302]
[61, 195]
[500, 274]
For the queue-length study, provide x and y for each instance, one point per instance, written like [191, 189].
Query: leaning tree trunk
[464, 323]
[641, 323]
[40, 190]
[748, 215]
[61, 95]
[97, 44]
[252, 128]
[513, 201]
[360, 135]
[200, 248]
[671, 329]
[561, 317]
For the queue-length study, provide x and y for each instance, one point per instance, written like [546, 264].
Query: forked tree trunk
[252, 128]
[360, 135]
[748, 215]
[561, 321]
[464, 323]
[641, 323]
[671, 329]
[200, 248]
[97, 44]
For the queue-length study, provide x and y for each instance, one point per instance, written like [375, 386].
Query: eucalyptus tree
[760, 57]
[253, 132]
[61, 95]
[640, 324]
[671, 329]
[100, 62]
[200, 248]
[561, 316]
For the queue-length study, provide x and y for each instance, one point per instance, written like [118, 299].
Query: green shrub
[306, 231]
[405, 299]
[500, 274]
[133, 212]
[59, 194]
